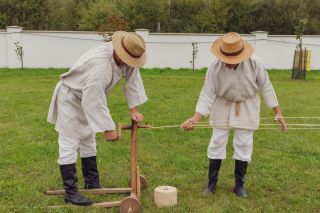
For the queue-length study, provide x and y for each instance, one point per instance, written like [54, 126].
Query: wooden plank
[126, 127]
[94, 191]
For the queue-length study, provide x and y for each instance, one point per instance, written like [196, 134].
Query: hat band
[232, 54]
[127, 51]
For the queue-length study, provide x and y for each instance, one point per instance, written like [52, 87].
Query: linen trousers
[68, 148]
[242, 144]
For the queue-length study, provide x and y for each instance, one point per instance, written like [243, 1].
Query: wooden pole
[134, 141]
[94, 191]
[294, 64]
[95, 205]
[106, 204]
[138, 183]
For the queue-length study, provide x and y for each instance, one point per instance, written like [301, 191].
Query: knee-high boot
[214, 167]
[239, 173]
[70, 183]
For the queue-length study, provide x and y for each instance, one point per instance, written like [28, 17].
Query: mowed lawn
[284, 175]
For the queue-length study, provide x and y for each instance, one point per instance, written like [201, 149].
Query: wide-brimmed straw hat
[130, 47]
[231, 48]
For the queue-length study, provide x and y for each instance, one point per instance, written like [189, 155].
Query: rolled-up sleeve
[95, 108]
[134, 89]
[266, 87]
[207, 95]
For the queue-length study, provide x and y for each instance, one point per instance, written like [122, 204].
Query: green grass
[283, 176]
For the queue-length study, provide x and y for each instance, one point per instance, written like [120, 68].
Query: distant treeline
[190, 16]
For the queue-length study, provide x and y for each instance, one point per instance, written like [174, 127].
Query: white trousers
[242, 144]
[68, 148]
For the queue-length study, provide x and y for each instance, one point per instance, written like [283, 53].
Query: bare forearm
[134, 109]
[277, 110]
[279, 117]
[197, 117]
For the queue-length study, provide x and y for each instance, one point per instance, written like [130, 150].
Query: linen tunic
[224, 88]
[78, 106]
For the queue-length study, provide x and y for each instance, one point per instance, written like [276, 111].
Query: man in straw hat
[230, 95]
[79, 109]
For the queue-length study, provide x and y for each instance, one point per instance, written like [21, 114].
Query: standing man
[230, 95]
[79, 109]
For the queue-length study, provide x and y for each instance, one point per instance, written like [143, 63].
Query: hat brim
[245, 54]
[123, 55]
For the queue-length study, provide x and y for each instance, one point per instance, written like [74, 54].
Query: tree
[142, 13]
[30, 14]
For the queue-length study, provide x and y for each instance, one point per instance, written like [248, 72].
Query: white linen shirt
[224, 87]
[78, 106]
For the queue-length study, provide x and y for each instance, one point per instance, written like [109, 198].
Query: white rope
[207, 126]
[296, 126]
[290, 124]
[265, 118]
[292, 118]
[162, 127]
[306, 126]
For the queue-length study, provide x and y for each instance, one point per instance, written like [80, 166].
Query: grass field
[283, 176]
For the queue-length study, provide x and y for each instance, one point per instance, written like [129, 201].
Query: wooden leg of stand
[107, 204]
[138, 183]
[134, 141]
[94, 191]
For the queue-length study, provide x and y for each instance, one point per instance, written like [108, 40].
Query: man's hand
[278, 117]
[191, 122]
[111, 135]
[135, 115]
[188, 124]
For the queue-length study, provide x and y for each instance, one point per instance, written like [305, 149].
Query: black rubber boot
[239, 173]
[90, 173]
[214, 167]
[70, 182]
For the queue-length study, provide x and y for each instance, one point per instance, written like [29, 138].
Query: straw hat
[231, 48]
[130, 47]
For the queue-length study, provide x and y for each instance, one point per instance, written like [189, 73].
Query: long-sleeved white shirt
[224, 87]
[78, 106]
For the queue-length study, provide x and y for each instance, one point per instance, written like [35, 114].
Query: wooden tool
[136, 183]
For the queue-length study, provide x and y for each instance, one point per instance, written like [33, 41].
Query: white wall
[53, 51]
[3, 49]
[175, 50]
[61, 49]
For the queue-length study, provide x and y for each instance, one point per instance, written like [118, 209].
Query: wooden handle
[119, 131]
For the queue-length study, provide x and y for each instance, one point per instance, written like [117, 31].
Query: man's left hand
[278, 117]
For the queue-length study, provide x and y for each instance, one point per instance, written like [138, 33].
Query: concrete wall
[3, 49]
[61, 49]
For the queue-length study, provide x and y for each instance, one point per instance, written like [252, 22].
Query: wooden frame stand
[137, 182]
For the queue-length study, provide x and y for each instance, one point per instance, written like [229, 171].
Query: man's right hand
[188, 124]
[191, 122]
[111, 135]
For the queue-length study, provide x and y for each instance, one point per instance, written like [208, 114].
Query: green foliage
[99, 16]
[299, 29]
[31, 14]
[194, 16]
[19, 53]
[194, 54]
